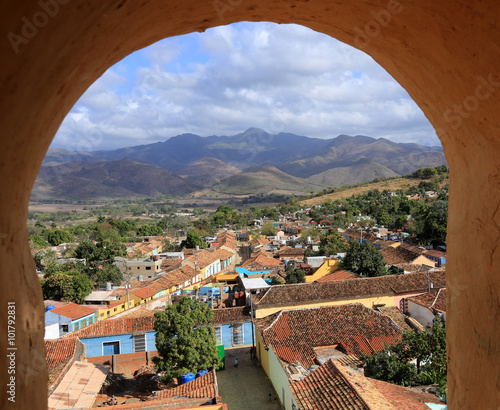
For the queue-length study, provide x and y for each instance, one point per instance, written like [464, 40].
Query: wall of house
[262, 353]
[94, 345]
[126, 363]
[227, 334]
[83, 322]
[387, 300]
[114, 310]
[424, 316]
[328, 266]
[280, 382]
[52, 331]
[51, 318]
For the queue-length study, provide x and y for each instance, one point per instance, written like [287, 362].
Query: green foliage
[149, 230]
[192, 241]
[38, 241]
[184, 339]
[66, 282]
[332, 243]
[364, 260]
[107, 272]
[294, 275]
[433, 223]
[58, 236]
[45, 258]
[268, 229]
[100, 251]
[428, 348]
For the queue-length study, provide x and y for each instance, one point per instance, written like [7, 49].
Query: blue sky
[230, 78]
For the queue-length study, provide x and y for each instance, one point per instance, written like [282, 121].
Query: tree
[364, 260]
[58, 236]
[192, 241]
[332, 243]
[428, 348]
[434, 223]
[294, 275]
[100, 251]
[66, 282]
[38, 241]
[184, 339]
[107, 272]
[149, 230]
[268, 229]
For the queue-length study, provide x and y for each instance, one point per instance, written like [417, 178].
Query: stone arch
[445, 54]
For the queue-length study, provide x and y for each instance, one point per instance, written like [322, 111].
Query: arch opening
[444, 69]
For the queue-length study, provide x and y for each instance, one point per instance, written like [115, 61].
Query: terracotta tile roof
[286, 295]
[203, 259]
[58, 354]
[140, 312]
[413, 267]
[393, 256]
[222, 254]
[202, 387]
[396, 316]
[115, 327]
[434, 299]
[292, 251]
[262, 261]
[231, 315]
[435, 253]
[260, 241]
[325, 389]
[413, 248]
[355, 328]
[73, 311]
[337, 275]
[407, 398]
[335, 387]
[356, 234]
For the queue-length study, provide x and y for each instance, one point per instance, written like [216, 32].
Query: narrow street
[245, 387]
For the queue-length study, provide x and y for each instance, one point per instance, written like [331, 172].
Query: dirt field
[391, 185]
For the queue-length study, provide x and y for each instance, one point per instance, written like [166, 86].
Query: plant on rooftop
[184, 339]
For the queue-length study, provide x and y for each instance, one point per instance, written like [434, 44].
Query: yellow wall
[103, 313]
[369, 302]
[262, 353]
[328, 266]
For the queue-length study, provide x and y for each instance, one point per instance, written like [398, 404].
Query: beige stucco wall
[445, 54]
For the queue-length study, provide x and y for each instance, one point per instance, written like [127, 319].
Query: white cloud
[276, 77]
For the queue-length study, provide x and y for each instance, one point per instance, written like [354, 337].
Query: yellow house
[329, 265]
[115, 308]
[379, 291]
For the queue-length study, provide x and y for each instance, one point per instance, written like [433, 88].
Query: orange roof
[115, 327]
[337, 275]
[58, 353]
[73, 311]
[203, 258]
[262, 261]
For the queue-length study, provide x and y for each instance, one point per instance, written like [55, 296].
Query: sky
[281, 78]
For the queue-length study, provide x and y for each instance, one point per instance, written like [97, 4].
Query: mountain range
[247, 163]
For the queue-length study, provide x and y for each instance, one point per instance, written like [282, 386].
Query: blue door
[109, 348]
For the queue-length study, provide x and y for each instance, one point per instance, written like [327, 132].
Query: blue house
[436, 256]
[233, 326]
[119, 336]
[70, 317]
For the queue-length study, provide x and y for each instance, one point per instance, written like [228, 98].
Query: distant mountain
[265, 179]
[248, 149]
[207, 172]
[345, 151]
[188, 162]
[362, 171]
[111, 179]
